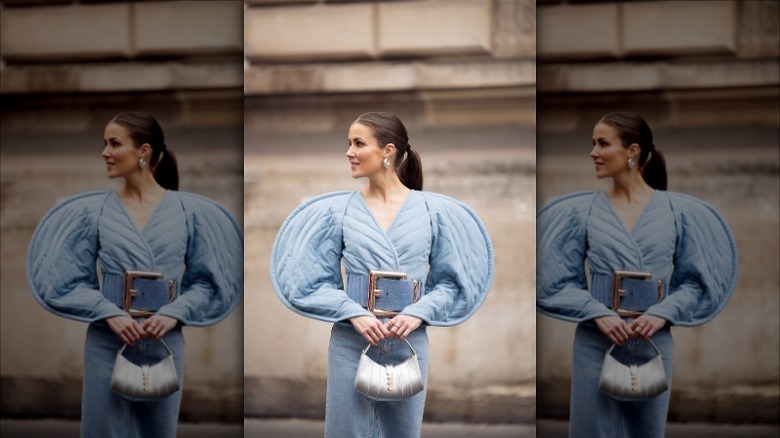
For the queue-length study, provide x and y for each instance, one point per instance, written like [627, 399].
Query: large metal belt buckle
[374, 291]
[618, 293]
[130, 293]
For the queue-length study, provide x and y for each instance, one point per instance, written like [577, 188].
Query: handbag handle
[655, 347]
[365, 350]
[170, 353]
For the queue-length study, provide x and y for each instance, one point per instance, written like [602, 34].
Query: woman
[389, 225]
[191, 243]
[682, 244]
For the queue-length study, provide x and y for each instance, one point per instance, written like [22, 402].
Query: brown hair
[143, 128]
[388, 128]
[632, 128]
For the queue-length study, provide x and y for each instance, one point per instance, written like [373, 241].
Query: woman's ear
[634, 150]
[389, 149]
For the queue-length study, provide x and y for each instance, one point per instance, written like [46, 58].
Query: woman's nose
[594, 152]
[105, 152]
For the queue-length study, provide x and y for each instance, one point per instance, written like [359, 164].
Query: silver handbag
[144, 382]
[633, 382]
[388, 382]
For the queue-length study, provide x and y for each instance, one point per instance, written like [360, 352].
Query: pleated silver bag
[144, 382]
[633, 382]
[388, 382]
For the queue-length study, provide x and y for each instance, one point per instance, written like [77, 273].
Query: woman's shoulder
[328, 203]
[196, 205]
[685, 201]
[572, 202]
[87, 203]
[695, 208]
[440, 202]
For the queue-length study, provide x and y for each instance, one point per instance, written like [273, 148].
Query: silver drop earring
[630, 163]
[386, 163]
[142, 163]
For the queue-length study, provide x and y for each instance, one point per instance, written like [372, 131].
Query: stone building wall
[461, 76]
[706, 76]
[67, 67]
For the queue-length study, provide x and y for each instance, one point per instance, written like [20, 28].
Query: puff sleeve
[705, 264]
[460, 266]
[213, 278]
[306, 261]
[61, 261]
[561, 245]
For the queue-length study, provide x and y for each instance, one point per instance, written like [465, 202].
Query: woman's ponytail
[409, 169]
[654, 169]
[166, 170]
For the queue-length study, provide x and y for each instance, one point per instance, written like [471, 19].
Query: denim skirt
[596, 414]
[349, 414]
[106, 414]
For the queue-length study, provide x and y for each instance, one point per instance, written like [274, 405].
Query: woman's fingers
[402, 326]
[158, 325]
[646, 325]
[370, 328]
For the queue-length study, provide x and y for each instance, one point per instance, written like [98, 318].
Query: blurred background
[706, 76]
[66, 68]
[461, 76]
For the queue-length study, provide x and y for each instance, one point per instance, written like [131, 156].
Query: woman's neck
[629, 187]
[141, 187]
[385, 187]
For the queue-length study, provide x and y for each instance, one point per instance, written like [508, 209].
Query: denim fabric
[349, 414]
[595, 414]
[432, 237]
[105, 414]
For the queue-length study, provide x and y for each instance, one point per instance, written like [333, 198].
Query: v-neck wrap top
[432, 238]
[677, 238]
[189, 239]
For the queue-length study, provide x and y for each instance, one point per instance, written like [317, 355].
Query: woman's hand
[646, 325]
[126, 328]
[617, 330]
[402, 326]
[370, 328]
[156, 326]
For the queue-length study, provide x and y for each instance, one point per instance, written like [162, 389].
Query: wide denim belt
[139, 293]
[383, 293]
[628, 293]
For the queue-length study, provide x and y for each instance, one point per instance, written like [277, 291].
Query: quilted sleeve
[705, 264]
[61, 261]
[561, 243]
[460, 266]
[213, 279]
[306, 261]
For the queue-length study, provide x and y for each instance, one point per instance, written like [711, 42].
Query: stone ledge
[274, 397]
[132, 76]
[387, 76]
[638, 76]
[739, 404]
[38, 397]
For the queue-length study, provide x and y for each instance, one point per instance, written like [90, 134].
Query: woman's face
[608, 154]
[120, 153]
[364, 154]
